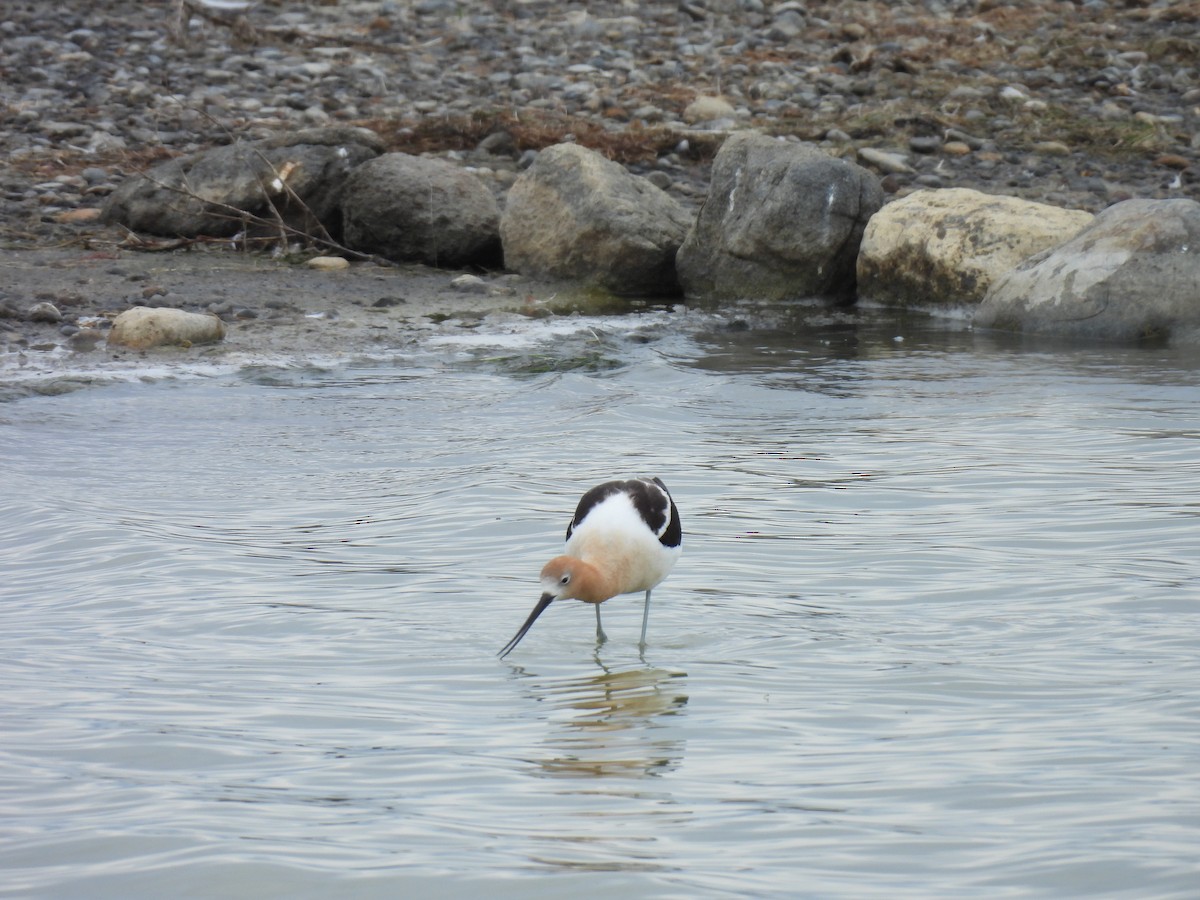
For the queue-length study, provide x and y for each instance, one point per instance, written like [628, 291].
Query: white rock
[470, 284]
[889, 163]
[328, 263]
[142, 327]
[708, 109]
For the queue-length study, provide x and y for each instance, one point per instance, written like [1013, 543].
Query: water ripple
[934, 631]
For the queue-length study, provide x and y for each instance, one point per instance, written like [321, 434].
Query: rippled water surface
[935, 631]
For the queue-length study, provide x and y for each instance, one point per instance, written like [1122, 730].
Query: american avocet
[624, 538]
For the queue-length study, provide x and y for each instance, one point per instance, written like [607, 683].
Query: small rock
[471, 284]
[64, 130]
[972, 142]
[328, 263]
[787, 25]
[708, 109]
[499, 143]
[1013, 94]
[1052, 148]
[660, 180]
[78, 216]
[45, 312]
[1173, 161]
[889, 163]
[85, 340]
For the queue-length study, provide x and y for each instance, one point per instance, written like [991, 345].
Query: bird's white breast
[616, 539]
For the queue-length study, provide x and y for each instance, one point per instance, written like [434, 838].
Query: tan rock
[81, 216]
[328, 263]
[707, 109]
[142, 327]
[1052, 148]
[946, 247]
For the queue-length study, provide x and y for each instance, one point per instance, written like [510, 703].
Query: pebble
[328, 263]
[1052, 148]
[81, 216]
[888, 163]
[471, 284]
[1173, 161]
[85, 339]
[920, 144]
[708, 109]
[45, 312]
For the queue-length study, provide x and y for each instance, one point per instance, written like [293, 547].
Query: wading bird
[624, 538]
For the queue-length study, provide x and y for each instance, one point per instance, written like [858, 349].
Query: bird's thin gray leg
[645, 620]
[601, 637]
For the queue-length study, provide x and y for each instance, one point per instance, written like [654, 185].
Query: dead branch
[275, 222]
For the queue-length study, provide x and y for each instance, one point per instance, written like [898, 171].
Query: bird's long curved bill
[537, 611]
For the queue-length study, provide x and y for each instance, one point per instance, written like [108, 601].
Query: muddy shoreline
[276, 311]
[1077, 105]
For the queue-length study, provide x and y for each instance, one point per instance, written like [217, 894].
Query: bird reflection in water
[613, 723]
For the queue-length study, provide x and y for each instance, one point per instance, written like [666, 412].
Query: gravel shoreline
[1075, 104]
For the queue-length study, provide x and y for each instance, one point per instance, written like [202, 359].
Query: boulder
[409, 208]
[781, 220]
[946, 247]
[299, 176]
[1133, 274]
[575, 215]
[144, 327]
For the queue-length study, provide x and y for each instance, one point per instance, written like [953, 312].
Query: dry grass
[630, 144]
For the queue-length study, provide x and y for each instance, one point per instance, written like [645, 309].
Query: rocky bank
[1078, 105]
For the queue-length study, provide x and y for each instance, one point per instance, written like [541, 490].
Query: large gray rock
[574, 214]
[409, 208]
[1133, 274]
[947, 247]
[781, 220]
[299, 176]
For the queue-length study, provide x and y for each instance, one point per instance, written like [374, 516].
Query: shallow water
[935, 632]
